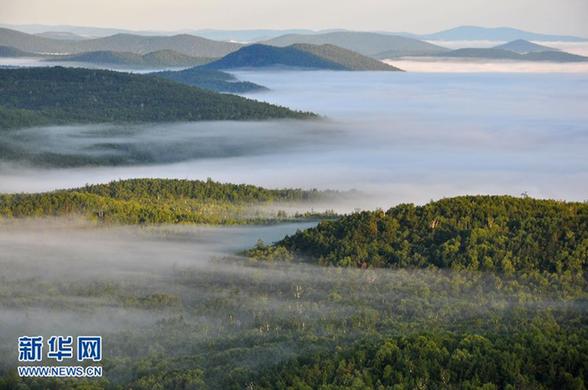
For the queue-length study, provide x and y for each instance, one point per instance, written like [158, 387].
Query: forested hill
[350, 60]
[57, 95]
[493, 233]
[308, 56]
[156, 201]
[196, 189]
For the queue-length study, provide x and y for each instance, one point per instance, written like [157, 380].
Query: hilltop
[160, 58]
[183, 43]
[486, 233]
[522, 46]
[369, 44]
[76, 95]
[298, 56]
[210, 79]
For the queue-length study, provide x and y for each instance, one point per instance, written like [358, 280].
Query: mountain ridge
[469, 32]
[183, 43]
[365, 43]
[477, 33]
[152, 59]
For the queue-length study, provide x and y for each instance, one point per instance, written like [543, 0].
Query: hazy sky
[421, 16]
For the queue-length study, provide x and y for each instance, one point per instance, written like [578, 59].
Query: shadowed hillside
[298, 56]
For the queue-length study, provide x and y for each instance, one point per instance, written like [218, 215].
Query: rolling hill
[369, 44]
[210, 79]
[157, 201]
[77, 95]
[522, 46]
[298, 56]
[475, 233]
[161, 58]
[186, 44]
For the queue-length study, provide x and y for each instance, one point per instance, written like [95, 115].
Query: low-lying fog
[405, 137]
[169, 291]
[473, 65]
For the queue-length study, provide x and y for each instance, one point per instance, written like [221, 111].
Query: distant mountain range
[369, 44]
[64, 35]
[298, 56]
[320, 50]
[156, 59]
[250, 36]
[213, 80]
[185, 44]
[475, 33]
[461, 33]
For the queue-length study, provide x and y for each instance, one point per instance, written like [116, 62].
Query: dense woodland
[534, 358]
[434, 318]
[286, 325]
[56, 95]
[476, 233]
[158, 201]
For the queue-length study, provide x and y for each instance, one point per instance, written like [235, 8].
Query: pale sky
[419, 16]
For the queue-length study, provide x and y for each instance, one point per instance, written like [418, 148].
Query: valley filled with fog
[180, 296]
[397, 137]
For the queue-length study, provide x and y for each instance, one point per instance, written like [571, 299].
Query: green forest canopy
[486, 233]
[149, 201]
[299, 326]
[57, 95]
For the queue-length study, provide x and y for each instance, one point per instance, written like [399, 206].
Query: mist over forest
[179, 296]
[398, 136]
[336, 209]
